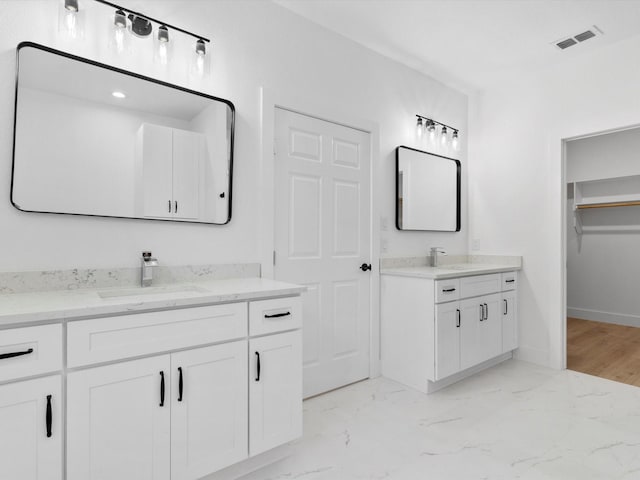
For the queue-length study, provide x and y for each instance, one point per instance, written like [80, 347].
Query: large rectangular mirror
[91, 139]
[427, 191]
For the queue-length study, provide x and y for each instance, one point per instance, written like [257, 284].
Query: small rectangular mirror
[90, 139]
[427, 191]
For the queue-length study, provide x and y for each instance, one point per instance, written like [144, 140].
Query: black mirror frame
[458, 188]
[38, 46]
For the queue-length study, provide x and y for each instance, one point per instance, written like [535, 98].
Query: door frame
[317, 108]
[560, 361]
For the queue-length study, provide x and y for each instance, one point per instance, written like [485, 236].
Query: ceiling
[472, 44]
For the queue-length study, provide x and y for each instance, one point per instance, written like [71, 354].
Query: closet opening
[603, 255]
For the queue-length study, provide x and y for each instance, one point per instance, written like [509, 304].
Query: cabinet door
[157, 157]
[187, 160]
[509, 321]
[30, 444]
[209, 418]
[472, 314]
[275, 390]
[447, 339]
[490, 339]
[117, 424]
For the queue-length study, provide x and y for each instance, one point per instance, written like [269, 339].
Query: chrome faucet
[433, 260]
[148, 262]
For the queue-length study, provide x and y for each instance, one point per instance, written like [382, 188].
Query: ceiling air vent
[580, 37]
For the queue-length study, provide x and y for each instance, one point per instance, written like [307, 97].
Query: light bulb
[443, 136]
[419, 128]
[162, 46]
[70, 19]
[455, 143]
[201, 60]
[431, 128]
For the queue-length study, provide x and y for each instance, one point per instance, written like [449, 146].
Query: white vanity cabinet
[438, 330]
[156, 394]
[31, 429]
[171, 163]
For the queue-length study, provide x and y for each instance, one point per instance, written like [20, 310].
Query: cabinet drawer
[113, 338]
[30, 351]
[480, 285]
[275, 315]
[447, 290]
[509, 281]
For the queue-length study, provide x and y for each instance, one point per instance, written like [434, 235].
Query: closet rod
[608, 205]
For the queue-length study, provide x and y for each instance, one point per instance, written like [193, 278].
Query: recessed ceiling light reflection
[118, 94]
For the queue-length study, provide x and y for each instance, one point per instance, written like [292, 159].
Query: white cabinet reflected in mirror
[91, 139]
[427, 191]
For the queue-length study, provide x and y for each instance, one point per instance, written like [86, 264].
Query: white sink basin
[146, 291]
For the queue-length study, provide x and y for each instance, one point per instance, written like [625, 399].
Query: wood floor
[604, 350]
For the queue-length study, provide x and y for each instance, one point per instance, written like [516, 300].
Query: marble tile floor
[513, 421]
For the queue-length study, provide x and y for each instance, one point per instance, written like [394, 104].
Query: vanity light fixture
[139, 25]
[430, 126]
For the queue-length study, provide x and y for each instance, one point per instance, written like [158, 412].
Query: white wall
[516, 191]
[602, 268]
[256, 43]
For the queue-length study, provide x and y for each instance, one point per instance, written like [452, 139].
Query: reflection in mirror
[427, 191]
[94, 140]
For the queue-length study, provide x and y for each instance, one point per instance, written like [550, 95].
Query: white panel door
[157, 152]
[275, 390]
[188, 150]
[117, 424]
[447, 339]
[30, 444]
[209, 402]
[322, 236]
[509, 326]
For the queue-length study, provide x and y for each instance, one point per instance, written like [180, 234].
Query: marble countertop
[20, 309]
[450, 270]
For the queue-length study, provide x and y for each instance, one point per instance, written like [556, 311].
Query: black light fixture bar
[159, 22]
[435, 122]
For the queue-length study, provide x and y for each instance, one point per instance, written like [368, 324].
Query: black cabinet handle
[365, 266]
[257, 367]
[49, 416]
[447, 290]
[481, 313]
[169, 206]
[180, 384]
[176, 204]
[276, 315]
[162, 389]
[15, 354]
[510, 280]
[486, 311]
[506, 306]
[458, 314]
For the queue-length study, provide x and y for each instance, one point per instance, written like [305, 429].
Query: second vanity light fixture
[127, 22]
[431, 127]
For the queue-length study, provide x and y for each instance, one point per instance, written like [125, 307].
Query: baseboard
[606, 317]
[445, 382]
[250, 465]
[533, 355]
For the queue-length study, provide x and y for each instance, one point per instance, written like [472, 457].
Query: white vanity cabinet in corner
[436, 331]
[170, 163]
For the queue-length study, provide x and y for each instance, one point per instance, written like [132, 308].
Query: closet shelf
[605, 193]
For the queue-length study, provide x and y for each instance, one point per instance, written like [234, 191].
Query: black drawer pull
[486, 311]
[180, 384]
[458, 314]
[481, 313]
[257, 367]
[15, 354]
[448, 290]
[49, 417]
[276, 315]
[162, 389]
[510, 280]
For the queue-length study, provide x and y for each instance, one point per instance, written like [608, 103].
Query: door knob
[365, 266]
